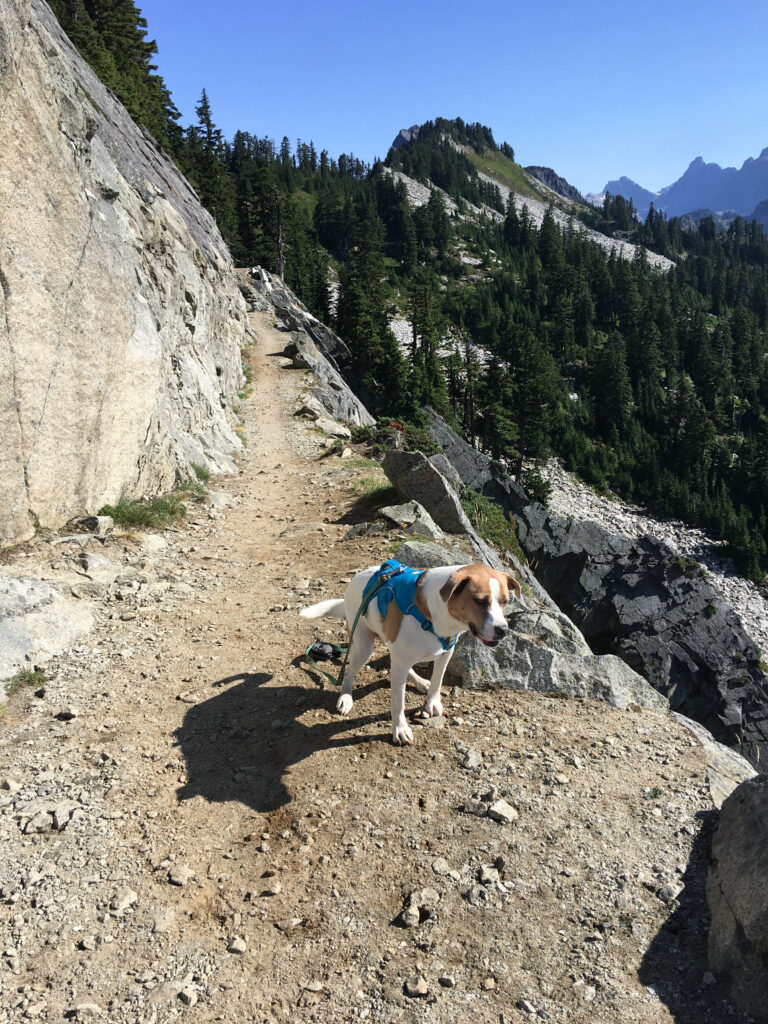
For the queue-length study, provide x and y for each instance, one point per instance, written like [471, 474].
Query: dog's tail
[333, 609]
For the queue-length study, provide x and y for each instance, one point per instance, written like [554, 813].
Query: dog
[440, 605]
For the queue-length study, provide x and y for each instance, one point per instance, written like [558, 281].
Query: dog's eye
[482, 601]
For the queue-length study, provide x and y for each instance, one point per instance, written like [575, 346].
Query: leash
[338, 680]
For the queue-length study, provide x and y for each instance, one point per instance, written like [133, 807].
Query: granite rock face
[737, 894]
[37, 622]
[637, 600]
[121, 320]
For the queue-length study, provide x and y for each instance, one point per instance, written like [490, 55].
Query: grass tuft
[148, 514]
[24, 677]
[491, 523]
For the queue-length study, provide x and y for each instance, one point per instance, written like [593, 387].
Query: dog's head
[476, 596]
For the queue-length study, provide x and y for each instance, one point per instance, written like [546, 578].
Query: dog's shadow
[241, 743]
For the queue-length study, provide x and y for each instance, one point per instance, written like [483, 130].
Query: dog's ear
[514, 585]
[453, 585]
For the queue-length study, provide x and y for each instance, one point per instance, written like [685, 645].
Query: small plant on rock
[148, 514]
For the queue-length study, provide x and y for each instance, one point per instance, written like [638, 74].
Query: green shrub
[24, 677]
[491, 523]
[387, 433]
[201, 472]
[148, 514]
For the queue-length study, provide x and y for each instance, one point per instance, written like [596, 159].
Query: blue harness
[393, 580]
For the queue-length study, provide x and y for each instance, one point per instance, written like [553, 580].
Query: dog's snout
[501, 631]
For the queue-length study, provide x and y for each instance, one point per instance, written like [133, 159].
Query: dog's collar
[394, 580]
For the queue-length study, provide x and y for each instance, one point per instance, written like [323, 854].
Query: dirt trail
[231, 850]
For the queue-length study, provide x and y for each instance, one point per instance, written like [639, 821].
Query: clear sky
[592, 88]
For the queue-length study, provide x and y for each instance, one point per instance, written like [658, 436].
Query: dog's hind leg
[421, 684]
[360, 651]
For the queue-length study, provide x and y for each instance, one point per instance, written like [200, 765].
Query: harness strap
[378, 582]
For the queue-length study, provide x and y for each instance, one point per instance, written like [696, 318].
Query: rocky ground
[570, 497]
[188, 830]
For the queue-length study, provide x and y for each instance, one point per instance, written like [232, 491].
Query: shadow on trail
[241, 743]
[676, 960]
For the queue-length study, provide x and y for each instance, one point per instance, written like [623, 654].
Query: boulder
[36, 622]
[417, 479]
[656, 611]
[121, 319]
[639, 601]
[413, 518]
[737, 894]
[550, 656]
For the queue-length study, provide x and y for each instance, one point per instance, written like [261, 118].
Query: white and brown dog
[441, 604]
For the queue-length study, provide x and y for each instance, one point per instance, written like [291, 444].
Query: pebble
[162, 919]
[237, 944]
[86, 1010]
[289, 924]
[503, 812]
[416, 987]
[472, 760]
[441, 866]
[67, 713]
[476, 807]
[123, 901]
[180, 874]
[188, 996]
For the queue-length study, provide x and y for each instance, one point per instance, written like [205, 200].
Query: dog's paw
[421, 684]
[344, 704]
[402, 735]
[434, 708]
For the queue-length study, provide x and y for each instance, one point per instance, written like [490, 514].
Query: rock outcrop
[660, 615]
[553, 180]
[313, 346]
[121, 321]
[637, 600]
[37, 621]
[417, 478]
[737, 893]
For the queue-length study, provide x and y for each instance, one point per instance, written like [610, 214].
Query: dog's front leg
[401, 732]
[434, 706]
[360, 651]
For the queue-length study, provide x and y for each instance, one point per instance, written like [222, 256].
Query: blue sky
[593, 89]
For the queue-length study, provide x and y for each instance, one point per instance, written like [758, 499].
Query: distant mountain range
[702, 187]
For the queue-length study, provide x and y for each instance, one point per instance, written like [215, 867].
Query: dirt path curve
[187, 828]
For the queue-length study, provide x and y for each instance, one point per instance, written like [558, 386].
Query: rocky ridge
[571, 497]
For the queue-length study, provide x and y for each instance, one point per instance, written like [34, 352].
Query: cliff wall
[121, 321]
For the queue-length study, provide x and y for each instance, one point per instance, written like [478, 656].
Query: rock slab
[36, 623]
[737, 893]
[121, 319]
